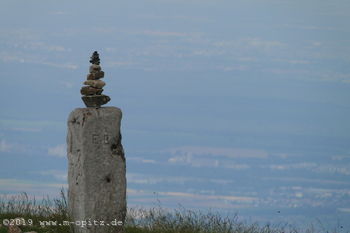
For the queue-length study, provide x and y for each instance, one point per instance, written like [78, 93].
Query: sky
[231, 106]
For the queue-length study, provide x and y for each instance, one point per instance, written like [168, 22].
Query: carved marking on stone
[106, 138]
[95, 138]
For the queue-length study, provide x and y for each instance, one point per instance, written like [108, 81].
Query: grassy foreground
[155, 220]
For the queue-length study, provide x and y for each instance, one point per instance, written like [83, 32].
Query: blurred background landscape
[231, 106]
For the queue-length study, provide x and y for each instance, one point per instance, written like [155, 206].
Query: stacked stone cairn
[92, 93]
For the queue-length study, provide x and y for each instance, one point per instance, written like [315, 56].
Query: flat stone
[95, 76]
[87, 90]
[95, 83]
[97, 168]
[99, 74]
[95, 101]
[94, 68]
[90, 76]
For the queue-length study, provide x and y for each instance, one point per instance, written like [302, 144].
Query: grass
[21, 206]
[154, 220]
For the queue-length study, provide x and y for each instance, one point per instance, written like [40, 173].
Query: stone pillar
[97, 170]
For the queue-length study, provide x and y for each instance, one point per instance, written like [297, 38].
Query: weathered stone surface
[94, 68]
[95, 83]
[95, 101]
[99, 75]
[96, 75]
[87, 90]
[96, 170]
[90, 77]
[14, 229]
